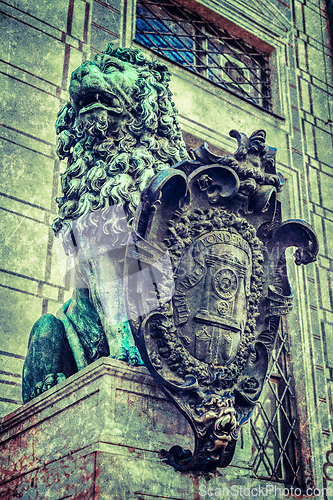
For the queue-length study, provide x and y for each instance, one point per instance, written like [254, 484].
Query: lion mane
[117, 132]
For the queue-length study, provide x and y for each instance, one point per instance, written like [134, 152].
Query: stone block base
[97, 435]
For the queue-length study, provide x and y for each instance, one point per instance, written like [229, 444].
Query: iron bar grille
[276, 453]
[186, 38]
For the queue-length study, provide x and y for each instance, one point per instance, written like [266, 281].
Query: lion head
[118, 130]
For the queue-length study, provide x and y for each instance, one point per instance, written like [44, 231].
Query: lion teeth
[98, 99]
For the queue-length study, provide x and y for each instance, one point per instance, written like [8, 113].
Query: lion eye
[111, 67]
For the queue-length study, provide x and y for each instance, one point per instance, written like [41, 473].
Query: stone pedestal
[98, 435]
[95, 435]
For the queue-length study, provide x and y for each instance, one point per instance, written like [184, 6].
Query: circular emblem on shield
[225, 283]
[222, 308]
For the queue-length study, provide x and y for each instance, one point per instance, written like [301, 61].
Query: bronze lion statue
[119, 129]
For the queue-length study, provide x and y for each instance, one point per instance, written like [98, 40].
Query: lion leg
[105, 278]
[49, 359]
[100, 263]
[126, 350]
[134, 357]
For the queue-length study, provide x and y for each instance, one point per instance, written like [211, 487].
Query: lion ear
[65, 118]
[109, 51]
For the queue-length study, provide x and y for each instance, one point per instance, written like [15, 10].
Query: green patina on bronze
[119, 129]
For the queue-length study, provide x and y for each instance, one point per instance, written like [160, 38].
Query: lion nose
[83, 70]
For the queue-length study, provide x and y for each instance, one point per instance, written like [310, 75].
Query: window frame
[243, 37]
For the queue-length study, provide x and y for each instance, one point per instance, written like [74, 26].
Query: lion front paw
[129, 354]
[134, 358]
[49, 381]
[122, 354]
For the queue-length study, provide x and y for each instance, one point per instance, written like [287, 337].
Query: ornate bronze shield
[206, 283]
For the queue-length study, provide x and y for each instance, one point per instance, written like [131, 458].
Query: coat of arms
[206, 284]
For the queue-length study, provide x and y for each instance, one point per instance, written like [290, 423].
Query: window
[188, 39]
[276, 453]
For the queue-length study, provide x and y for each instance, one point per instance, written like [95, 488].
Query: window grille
[276, 449]
[186, 38]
